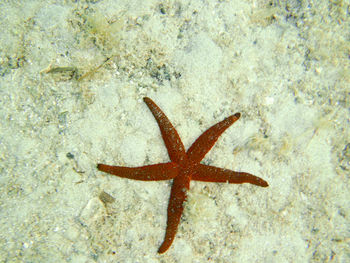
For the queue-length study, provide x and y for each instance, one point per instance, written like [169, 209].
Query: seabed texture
[72, 78]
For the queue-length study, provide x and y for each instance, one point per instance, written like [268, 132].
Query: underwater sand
[71, 86]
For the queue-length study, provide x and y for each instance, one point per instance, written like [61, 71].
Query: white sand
[285, 67]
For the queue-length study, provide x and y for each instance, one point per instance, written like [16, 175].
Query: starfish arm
[172, 141]
[155, 172]
[206, 141]
[208, 173]
[177, 197]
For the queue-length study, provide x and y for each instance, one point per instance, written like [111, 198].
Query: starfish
[183, 167]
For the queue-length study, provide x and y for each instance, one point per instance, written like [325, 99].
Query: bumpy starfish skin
[184, 167]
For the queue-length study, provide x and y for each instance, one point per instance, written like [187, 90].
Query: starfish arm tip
[165, 245]
[161, 250]
[264, 184]
[258, 181]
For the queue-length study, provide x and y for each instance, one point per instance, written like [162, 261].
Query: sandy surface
[72, 80]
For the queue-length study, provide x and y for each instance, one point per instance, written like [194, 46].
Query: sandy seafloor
[73, 75]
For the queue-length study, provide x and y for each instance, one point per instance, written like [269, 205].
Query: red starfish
[184, 167]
